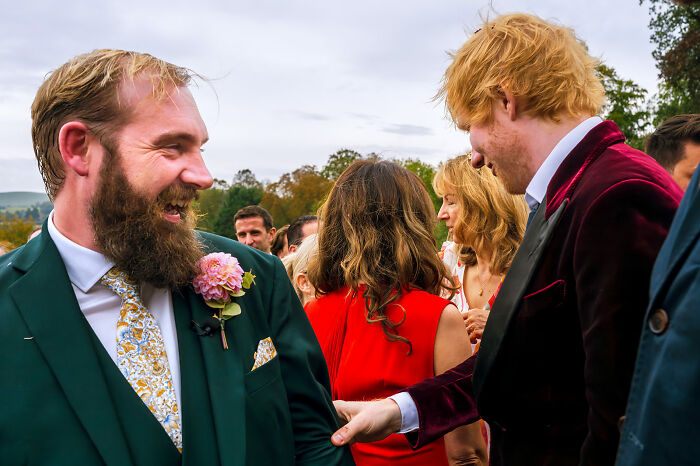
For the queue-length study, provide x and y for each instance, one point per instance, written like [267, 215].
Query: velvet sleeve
[444, 403]
[612, 273]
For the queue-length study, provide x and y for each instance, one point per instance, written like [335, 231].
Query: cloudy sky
[292, 81]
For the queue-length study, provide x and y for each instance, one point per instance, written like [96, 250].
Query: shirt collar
[537, 189]
[85, 267]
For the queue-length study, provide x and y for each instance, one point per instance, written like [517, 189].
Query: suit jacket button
[658, 321]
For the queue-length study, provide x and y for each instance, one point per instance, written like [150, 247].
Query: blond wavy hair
[297, 263]
[543, 63]
[87, 89]
[490, 218]
[376, 229]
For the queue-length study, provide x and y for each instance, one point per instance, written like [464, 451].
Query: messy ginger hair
[86, 89]
[543, 63]
[376, 230]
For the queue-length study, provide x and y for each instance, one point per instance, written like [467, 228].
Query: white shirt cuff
[409, 412]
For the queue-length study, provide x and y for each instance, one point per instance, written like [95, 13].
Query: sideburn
[131, 231]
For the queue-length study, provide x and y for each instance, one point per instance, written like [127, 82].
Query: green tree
[209, 204]
[236, 198]
[338, 162]
[298, 193]
[426, 173]
[626, 104]
[208, 207]
[675, 31]
[15, 230]
[244, 190]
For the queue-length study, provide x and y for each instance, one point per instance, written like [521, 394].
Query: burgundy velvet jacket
[555, 364]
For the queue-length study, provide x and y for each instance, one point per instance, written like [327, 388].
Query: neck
[483, 261]
[546, 134]
[72, 219]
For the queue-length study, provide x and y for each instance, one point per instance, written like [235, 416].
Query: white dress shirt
[534, 194]
[101, 305]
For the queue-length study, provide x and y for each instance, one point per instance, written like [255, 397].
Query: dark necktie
[532, 214]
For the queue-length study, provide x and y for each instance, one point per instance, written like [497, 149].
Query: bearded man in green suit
[118, 139]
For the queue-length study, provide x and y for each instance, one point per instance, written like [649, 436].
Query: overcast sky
[292, 81]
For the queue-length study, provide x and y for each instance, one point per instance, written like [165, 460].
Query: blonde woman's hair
[297, 263]
[490, 219]
[376, 230]
[544, 63]
[86, 89]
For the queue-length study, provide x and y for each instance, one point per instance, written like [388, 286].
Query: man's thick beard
[131, 231]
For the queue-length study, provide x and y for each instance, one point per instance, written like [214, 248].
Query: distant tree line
[675, 33]
[297, 193]
[36, 213]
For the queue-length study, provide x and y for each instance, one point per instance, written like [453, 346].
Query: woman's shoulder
[423, 306]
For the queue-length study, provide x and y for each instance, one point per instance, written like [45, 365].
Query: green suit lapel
[46, 300]
[213, 391]
[512, 290]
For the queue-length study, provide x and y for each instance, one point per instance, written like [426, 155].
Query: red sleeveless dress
[365, 365]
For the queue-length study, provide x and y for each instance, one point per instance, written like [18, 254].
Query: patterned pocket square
[266, 351]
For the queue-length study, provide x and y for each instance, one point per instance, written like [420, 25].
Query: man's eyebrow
[181, 136]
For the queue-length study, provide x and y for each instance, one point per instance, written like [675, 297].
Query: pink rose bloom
[217, 270]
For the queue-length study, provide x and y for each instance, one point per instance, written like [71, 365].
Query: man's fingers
[343, 436]
[343, 408]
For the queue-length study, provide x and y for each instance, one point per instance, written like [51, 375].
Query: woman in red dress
[379, 318]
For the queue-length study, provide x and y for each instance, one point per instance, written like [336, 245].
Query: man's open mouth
[173, 209]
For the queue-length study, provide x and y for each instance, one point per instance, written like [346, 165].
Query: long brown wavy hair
[490, 219]
[376, 229]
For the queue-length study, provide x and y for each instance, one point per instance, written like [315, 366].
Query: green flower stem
[223, 334]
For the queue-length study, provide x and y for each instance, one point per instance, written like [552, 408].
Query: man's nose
[249, 240]
[196, 173]
[477, 160]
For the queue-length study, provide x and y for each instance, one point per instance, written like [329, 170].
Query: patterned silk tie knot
[141, 355]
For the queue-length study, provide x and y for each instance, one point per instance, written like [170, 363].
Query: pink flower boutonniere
[220, 279]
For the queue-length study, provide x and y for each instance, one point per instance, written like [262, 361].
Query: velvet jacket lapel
[508, 300]
[213, 393]
[559, 192]
[46, 300]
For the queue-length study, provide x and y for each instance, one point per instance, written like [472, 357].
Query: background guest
[300, 229]
[487, 224]
[279, 246]
[254, 227]
[676, 146]
[297, 263]
[380, 320]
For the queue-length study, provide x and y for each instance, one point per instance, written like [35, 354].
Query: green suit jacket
[63, 400]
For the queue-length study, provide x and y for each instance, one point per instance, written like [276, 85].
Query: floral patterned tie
[141, 355]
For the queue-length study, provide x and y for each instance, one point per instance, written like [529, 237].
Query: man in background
[676, 146]
[280, 247]
[299, 229]
[254, 227]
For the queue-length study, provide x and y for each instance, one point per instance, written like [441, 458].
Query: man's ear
[292, 248]
[510, 104]
[73, 141]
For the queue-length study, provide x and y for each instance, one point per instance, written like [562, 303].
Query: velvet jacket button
[658, 321]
